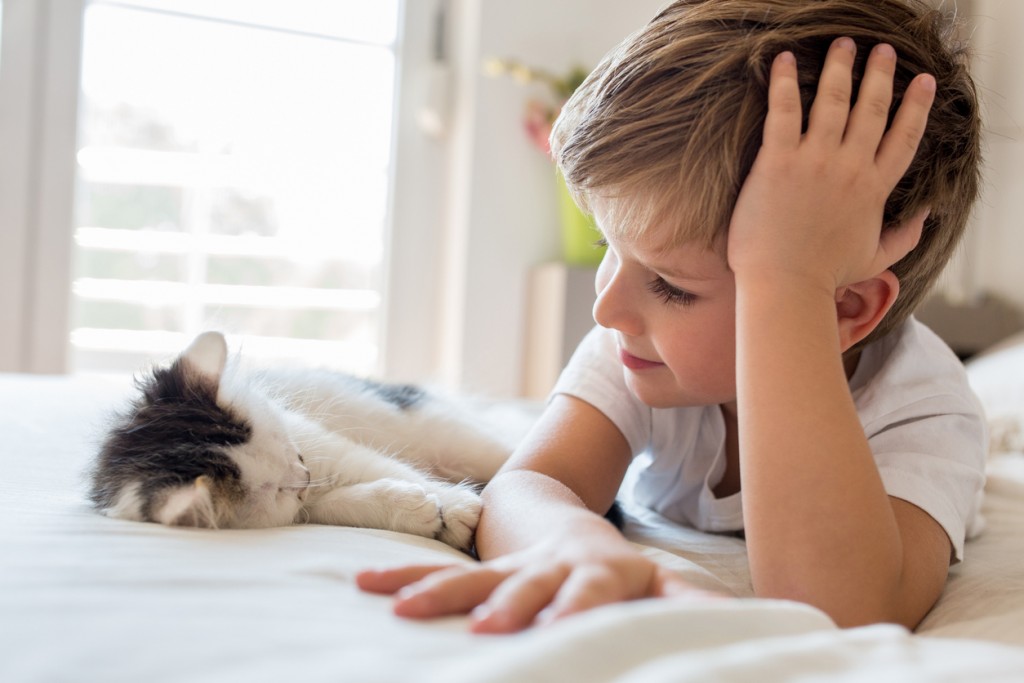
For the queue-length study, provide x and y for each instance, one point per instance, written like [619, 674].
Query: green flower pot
[579, 235]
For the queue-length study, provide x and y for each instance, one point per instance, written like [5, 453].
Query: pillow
[997, 376]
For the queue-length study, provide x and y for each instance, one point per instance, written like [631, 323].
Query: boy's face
[674, 316]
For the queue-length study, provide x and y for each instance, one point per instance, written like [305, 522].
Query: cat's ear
[207, 355]
[189, 505]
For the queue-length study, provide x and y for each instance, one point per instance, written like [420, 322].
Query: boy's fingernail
[846, 44]
[885, 50]
[406, 594]
[487, 620]
[545, 617]
[786, 57]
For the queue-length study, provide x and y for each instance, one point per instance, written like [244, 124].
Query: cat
[209, 444]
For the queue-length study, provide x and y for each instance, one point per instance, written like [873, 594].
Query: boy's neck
[850, 364]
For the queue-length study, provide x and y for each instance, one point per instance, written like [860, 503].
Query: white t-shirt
[925, 427]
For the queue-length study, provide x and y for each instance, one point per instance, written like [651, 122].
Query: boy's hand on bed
[532, 587]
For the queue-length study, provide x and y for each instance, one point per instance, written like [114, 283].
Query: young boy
[768, 242]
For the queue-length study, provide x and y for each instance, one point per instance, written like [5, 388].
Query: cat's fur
[209, 444]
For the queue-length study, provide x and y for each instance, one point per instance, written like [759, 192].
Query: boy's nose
[614, 307]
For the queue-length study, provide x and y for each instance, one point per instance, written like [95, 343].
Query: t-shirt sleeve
[933, 456]
[595, 375]
[926, 428]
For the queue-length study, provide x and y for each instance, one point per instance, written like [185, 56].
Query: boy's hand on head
[811, 208]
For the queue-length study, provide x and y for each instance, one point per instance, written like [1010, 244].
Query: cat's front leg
[435, 510]
[460, 514]
[390, 504]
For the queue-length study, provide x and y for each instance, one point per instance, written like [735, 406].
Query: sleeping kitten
[210, 445]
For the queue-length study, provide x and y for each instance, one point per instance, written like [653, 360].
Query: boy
[767, 243]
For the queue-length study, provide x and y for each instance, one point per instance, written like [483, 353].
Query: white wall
[501, 212]
[996, 252]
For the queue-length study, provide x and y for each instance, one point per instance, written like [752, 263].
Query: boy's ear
[860, 307]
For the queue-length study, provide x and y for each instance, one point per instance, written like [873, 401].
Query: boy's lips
[635, 362]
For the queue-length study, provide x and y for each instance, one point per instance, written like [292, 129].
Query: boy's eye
[670, 294]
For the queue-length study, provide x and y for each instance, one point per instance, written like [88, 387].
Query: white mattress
[86, 598]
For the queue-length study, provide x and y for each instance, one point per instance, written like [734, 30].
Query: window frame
[40, 67]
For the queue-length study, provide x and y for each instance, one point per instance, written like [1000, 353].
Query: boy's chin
[654, 396]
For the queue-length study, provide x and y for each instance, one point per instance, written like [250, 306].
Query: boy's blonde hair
[667, 126]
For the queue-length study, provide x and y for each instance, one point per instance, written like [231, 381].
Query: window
[233, 173]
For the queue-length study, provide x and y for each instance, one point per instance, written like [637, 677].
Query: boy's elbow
[852, 607]
[851, 616]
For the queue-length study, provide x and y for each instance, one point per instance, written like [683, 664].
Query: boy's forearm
[522, 507]
[820, 527]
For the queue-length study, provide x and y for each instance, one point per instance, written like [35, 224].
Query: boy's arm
[806, 240]
[547, 552]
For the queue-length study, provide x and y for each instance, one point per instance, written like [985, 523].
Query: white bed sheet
[86, 598]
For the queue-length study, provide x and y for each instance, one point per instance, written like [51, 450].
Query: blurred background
[359, 184]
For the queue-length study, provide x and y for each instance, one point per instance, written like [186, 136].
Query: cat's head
[201, 446]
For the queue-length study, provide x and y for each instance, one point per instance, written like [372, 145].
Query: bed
[87, 598]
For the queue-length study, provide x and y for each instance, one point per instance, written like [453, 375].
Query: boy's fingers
[900, 144]
[831, 108]
[782, 124]
[455, 590]
[897, 242]
[668, 584]
[671, 586]
[871, 113]
[585, 589]
[388, 581]
[518, 599]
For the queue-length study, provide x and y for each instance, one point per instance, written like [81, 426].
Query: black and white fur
[208, 444]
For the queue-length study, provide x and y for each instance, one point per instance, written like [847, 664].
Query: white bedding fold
[608, 643]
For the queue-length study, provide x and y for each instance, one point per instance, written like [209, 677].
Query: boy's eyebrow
[677, 275]
[665, 268]
[675, 272]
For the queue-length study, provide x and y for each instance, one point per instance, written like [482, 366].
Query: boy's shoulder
[909, 373]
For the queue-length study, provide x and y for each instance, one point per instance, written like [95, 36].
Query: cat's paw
[415, 510]
[460, 513]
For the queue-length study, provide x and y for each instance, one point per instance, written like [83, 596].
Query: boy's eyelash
[661, 288]
[670, 294]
